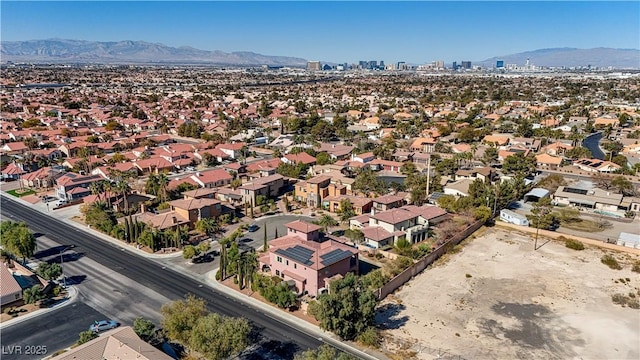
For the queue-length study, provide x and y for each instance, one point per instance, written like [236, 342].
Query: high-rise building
[499, 64]
[440, 64]
[454, 66]
[466, 64]
[381, 66]
[314, 66]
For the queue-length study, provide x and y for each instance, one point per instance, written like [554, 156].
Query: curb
[105, 237]
[289, 320]
[72, 295]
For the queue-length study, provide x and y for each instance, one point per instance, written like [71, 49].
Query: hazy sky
[415, 32]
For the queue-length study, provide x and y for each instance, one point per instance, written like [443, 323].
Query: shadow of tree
[388, 316]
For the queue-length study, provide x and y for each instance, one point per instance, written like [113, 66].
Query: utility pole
[428, 175]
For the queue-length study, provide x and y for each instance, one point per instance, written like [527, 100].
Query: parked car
[103, 325]
[253, 228]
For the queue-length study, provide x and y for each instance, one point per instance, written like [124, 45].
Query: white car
[103, 325]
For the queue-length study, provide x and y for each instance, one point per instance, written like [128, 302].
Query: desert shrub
[370, 337]
[636, 267]
[623, 300]
[573, 244]
[611, 262]
[467, 275]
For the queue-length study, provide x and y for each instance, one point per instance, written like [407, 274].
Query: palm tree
[327, 221]
[123, 187]
[250, 264]
[96, 189]
[163, 182]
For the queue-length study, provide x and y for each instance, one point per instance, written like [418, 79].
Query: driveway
[256, 239]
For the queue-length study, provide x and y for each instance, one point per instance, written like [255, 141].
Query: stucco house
[307, 263]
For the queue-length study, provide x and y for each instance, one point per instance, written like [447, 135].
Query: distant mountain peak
[572, 57]
[131, 51]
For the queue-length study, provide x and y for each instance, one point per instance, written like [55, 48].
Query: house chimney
[175, 220]
[143, 208]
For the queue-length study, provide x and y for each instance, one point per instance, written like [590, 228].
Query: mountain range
[571, 57]
[131, 52]
[141, 52]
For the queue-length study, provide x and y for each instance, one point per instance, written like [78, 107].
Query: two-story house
[268, 186]
[311, 191]
[307, 263]
[196, 209]
[71, 186]
[411, 222]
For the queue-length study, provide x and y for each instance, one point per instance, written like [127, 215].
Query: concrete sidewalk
[209, 280]
[55, 214]
[72, 294]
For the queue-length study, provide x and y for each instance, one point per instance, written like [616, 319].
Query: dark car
[253, 228]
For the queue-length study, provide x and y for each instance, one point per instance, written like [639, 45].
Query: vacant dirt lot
[499, 299]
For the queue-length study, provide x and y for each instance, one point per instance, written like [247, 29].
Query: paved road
[276, 332]
[55, 330]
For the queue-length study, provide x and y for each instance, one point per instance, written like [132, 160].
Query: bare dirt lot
[499, 299]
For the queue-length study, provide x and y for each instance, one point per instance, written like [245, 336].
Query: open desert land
[497, 298]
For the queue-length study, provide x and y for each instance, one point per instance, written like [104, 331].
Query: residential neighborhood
[286, 192]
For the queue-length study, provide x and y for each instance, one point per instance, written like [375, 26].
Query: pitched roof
[302, 226]
[375, 233]
[119, 343]
[310, 253]
[302, 157]
[190, 204]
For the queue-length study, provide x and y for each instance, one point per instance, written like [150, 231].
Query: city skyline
[415, 32]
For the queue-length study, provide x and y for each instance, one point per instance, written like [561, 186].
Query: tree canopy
[348, 310]
[17, 239]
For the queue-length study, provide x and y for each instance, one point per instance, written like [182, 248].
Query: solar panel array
[576, 191]
[334, 256]
[299, 254]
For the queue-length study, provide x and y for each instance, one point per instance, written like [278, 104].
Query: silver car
[103, 325]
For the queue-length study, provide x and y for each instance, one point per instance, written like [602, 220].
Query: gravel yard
[499, 299]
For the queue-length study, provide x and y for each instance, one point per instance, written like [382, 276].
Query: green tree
[17, 239]
[346, 211]
[86, 336]
[265, 245]
[323, 158]
[482, 213]
[190, 251]
[374, 279]
[207, 226]
[355, 235]
[348, 309]
[49, 271]
[144, 328]
[326, 221]
[33, 294]
[541, 217]
[368, 182]
[280, 294]
[219, 337]
[519, 164]
[447, 202]
[324, 352]
[180, 316]
[490, 156]
[578, 152]
[622, 185]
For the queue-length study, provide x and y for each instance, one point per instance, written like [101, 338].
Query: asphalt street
[272, 332]
[50, 332]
